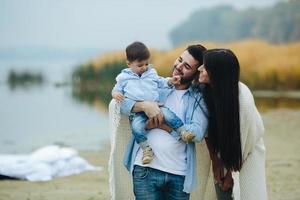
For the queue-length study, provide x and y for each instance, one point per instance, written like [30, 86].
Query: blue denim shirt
[140, 88]
[195, 121]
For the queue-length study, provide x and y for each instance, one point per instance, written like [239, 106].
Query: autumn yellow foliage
[263, 65]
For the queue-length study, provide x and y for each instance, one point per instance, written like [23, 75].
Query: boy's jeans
[138, 121]
[153, 184]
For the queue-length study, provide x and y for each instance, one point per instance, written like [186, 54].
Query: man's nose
[179, 66]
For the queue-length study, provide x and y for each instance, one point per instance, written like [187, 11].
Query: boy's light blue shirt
[195, 121]
[140, 88]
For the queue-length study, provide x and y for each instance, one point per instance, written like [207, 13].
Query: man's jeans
[153, 184]
[138, 122]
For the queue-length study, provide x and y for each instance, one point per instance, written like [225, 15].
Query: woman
[235, 133]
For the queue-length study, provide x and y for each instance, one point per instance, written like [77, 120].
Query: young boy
[140, 82]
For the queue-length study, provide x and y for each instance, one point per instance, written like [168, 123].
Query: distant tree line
[90, 83]
[24, 79]
[264, 66]
[277, 24]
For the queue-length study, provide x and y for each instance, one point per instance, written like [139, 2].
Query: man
[172, 173]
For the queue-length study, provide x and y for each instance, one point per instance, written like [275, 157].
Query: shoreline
[293, 94]
[282, 143]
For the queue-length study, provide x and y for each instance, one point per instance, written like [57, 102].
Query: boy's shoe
[147, 155]
[187, 136]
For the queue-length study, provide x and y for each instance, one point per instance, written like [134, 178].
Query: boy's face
[138, 67]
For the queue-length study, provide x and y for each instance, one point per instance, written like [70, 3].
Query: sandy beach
[282, 167]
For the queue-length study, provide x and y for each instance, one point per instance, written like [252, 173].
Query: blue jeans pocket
[140, 172]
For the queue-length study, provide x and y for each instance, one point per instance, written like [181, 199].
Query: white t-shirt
[169, 154]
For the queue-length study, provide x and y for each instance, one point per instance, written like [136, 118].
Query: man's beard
[184, 80]
[187, 80]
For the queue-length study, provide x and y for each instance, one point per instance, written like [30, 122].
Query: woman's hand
[218, 168]
[217, 164]
[227, 182]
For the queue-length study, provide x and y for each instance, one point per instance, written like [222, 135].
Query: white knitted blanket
[249, 184]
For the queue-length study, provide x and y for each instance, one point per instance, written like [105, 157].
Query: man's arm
[198, 123]
[224, 180]
[151, 109]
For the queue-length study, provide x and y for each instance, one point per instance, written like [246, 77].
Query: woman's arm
[226, 181]
[217, 165]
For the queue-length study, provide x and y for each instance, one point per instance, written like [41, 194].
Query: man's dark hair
[137, 51]
[197, 51]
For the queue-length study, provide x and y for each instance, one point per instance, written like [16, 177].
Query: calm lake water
[44, 114]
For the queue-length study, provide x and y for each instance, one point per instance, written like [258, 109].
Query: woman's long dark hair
[222, 98]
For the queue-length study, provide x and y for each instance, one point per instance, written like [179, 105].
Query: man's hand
[151, 109]
[175, 80]
[118, 96]
[157, 120]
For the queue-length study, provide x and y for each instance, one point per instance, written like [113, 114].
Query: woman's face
[203, 75]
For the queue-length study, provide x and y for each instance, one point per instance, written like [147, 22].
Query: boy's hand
[175, 80]
[118, 96]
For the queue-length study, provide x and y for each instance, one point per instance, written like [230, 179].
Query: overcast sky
[106, 24]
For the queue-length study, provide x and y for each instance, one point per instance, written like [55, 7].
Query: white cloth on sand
[44, 164]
